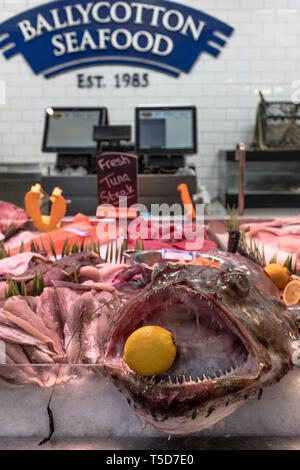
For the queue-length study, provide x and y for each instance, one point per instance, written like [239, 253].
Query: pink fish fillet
[19, 312]
[11, 333]
[18, 265]
[271, 223]
[71, 314]
[282, 239]
[271, 247]
[48, 310]
[22, 237]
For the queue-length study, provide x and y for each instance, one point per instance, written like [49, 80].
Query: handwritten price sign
[117, 177]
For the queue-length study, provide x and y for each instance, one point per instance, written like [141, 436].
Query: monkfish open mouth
[210, 345]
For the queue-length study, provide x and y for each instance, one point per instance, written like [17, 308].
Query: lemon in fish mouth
[150, 350]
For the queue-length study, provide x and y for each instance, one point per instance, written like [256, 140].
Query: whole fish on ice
[233, 339]
[233, 335]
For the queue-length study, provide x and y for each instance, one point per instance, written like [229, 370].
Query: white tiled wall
[262, 54]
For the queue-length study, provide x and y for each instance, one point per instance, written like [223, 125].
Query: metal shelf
[277, 193]
[268, 173]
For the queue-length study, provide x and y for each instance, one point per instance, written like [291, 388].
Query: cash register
[68, 132]
[165, 135]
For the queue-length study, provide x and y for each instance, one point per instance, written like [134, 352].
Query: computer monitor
[166, 130]
[70, 130]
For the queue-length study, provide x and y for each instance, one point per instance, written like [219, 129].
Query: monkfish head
[232, 339]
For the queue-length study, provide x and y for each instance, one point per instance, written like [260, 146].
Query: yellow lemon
[150, 350]
[291, 293]
[278, 274]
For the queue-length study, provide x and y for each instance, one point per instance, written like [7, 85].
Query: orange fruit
[291, 293]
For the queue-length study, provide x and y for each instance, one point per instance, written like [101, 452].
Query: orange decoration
[187, 201]
[45, 223]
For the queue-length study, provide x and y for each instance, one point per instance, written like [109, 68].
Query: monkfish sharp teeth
[237, 336]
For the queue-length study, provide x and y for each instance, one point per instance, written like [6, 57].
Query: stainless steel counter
[152, 189]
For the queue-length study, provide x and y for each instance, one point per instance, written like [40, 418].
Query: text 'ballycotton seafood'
[122, 38]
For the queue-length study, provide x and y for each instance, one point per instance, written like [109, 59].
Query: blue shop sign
[67, 34]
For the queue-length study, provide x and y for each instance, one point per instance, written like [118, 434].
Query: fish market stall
[74, 318]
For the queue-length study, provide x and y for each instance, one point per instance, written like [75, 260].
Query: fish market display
[232, 334]
[64, 323]
[233, 339]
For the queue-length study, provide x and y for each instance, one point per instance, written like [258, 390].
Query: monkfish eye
[234, 283]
